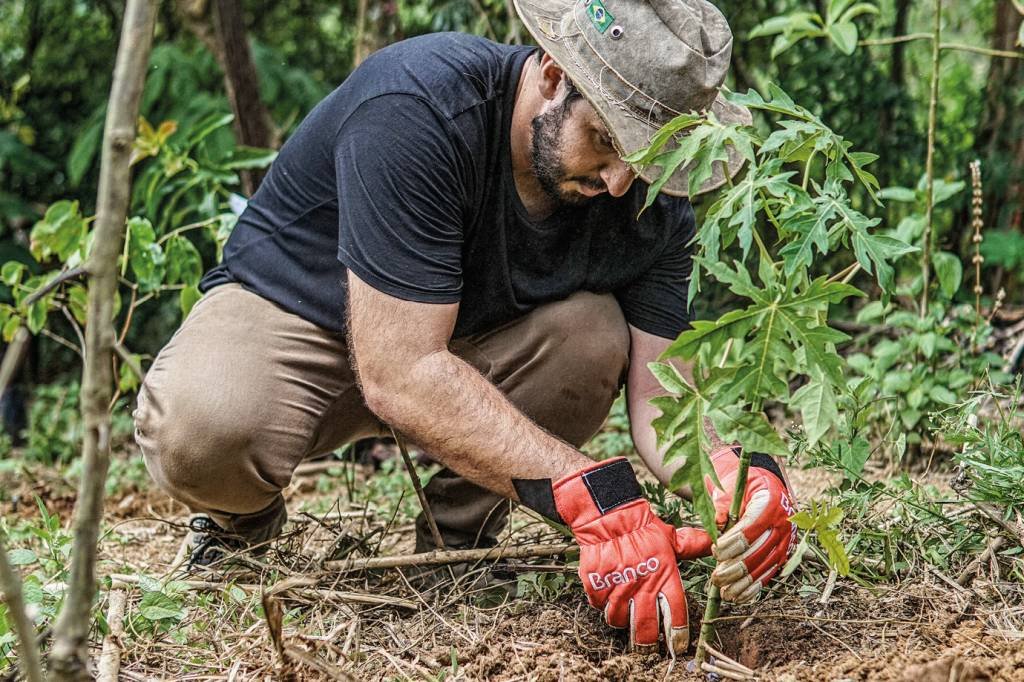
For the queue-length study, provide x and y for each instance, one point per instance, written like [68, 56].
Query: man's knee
[589, 338]
[200, 456]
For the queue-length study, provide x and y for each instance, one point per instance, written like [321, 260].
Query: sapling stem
[707, 626]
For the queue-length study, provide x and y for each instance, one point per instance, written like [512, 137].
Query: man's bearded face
[570, 147]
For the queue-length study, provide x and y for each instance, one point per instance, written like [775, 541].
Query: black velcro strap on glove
[762, 461]
[536, 494]
[612, 485]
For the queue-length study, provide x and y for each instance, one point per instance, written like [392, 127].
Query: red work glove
[755, 549]
[627, 554]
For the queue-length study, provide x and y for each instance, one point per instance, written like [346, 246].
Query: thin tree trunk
[69, 657]
[252, 120]
[1000, 139]
[220, 26]
[377, 25]
[10, 580]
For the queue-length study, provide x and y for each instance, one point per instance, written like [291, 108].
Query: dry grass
[287, 615]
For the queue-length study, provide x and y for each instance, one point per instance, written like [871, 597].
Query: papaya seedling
[752, 355]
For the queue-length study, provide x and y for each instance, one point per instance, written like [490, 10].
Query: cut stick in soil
[70, 653]
[707, 626]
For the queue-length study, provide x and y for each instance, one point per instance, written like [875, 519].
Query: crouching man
[451, 244]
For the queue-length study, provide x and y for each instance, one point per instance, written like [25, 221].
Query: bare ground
[920, 629]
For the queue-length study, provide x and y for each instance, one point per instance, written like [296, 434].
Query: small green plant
[40, 551]
[918, 365]
[990, 462]
[820, 522]
[543, 585]
[162, 606]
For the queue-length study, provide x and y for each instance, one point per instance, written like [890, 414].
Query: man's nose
[618, 178]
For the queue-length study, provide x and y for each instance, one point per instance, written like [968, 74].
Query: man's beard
[546, 157]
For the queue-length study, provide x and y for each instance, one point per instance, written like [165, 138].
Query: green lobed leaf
[816, 402]
[879, 251]
[752, 430]
[837, 557]
[693, 465]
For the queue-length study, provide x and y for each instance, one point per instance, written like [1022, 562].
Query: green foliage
[990, 462]
[614, 439]
[183, 177]
[55, 430]
[837, 26]
[919, 365]
[751, 354]
[545, 586]
[162, 606]
[40, 550]
[821, 522]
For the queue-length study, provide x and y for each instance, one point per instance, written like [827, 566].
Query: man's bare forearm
[459, 417]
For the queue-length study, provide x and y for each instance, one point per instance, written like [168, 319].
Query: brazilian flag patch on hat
[599, 15]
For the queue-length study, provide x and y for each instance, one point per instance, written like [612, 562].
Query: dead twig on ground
[110, 659]
[306, 584]
[728, 663]
[424, 504]
[994, 545]
[724, 672]
[450, 556]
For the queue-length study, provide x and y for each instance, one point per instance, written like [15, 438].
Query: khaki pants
[245, 391]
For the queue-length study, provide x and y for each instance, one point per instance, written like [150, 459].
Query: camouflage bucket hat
[641, 64]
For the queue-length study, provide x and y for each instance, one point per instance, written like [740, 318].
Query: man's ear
[551, 76]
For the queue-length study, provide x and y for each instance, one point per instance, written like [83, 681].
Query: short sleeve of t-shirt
[656, 302]
[400, 199]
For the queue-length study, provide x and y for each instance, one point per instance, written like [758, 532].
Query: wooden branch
[962, 47]
[895, 39]
[298, 584]
[450, 556]
[69, 655]
[64, 276]
[127, 359]
[987, 51]
[10, 583]
[929, 163]
[110, 659]
[12, 358]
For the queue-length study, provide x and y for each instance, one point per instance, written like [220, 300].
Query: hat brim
[629, 132]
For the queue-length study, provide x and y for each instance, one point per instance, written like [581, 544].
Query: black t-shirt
[403, 175]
